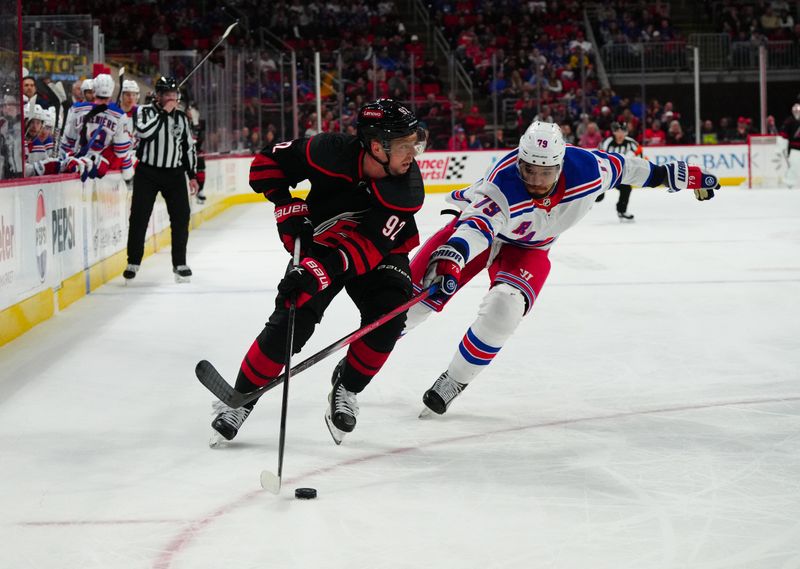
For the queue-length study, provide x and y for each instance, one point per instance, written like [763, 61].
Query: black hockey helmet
[165, 84]
[615, 126]
[385, 120]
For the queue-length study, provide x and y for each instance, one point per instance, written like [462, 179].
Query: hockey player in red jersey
[356, 228]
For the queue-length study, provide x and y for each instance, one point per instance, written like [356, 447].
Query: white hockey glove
[681, 176]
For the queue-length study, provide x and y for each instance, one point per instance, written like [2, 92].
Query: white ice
[645, 415]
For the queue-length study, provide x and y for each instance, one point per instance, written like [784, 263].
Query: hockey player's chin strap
[379, 161]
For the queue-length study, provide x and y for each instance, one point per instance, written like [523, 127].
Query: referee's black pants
[147, 182]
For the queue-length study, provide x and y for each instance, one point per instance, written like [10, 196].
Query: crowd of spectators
[749, 21]
[623, 22]
[533, 56]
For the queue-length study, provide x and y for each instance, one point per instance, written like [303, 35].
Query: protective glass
[413, 144]
[538, 176]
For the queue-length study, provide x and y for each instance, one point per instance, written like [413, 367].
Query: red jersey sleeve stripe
[320, 168]
[392, 206]
[267, 174]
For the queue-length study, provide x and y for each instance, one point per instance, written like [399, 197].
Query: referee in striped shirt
[166, 157]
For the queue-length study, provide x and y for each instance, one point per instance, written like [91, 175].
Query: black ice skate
[183, 274]
[441, 394]
[625, 217]
[340, 416]
[130, 272]
[227, 422]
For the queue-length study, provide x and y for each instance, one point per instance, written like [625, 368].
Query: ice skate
[226, 423]
[625, 217]
[183, 274]
[340, 416]
[200, 197]
[441, 394]
[130, 273]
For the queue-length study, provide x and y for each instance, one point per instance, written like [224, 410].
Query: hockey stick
[268, 480]
[121, 78]
[213, 49]
[216, 384]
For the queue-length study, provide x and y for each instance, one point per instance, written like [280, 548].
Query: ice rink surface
[645, 415]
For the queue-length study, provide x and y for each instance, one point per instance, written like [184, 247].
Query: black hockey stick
[213, 49]
[268, 480]
[216, 384]
[121, 79]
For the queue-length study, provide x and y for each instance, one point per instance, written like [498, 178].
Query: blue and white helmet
[541, 155]
[542, 145]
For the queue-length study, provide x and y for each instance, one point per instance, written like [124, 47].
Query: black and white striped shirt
[628, 147]
[165, 139]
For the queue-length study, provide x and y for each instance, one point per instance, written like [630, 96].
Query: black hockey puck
[305, 493]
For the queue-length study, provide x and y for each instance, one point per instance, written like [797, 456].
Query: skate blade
[336, 434]
[426, 413]
[217, 441]
[179, 279]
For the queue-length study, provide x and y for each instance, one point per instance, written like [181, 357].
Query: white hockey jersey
[105, 129]
[499, 208]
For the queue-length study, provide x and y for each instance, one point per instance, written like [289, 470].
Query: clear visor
[413, 144]
[538, 176]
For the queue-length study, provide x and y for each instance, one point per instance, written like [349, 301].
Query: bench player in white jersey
[93, 127]
[509, 220]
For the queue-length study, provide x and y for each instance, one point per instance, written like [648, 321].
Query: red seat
[428, 88]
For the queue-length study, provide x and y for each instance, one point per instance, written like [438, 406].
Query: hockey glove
[444, 270]
[681, 176]
[99, 167]
[293, 222]
[305, 280]
[78, 165]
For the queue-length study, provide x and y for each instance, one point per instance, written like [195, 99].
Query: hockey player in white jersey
[509, 220]
[91, 128]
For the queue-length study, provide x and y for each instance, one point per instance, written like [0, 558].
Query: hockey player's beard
[539, 192]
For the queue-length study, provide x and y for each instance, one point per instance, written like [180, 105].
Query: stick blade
[208, 375]
[270, 482]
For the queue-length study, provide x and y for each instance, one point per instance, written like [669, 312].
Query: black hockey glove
[293, 222]
[305, 280]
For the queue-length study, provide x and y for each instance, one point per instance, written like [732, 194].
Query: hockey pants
[517, 275]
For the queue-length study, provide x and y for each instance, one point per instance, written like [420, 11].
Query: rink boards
[61, 238]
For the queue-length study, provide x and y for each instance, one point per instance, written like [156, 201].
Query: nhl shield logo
[546, 202]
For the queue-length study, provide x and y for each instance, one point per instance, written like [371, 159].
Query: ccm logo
[372, 114]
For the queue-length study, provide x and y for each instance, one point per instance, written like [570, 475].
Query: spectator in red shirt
[474, 122]
[459, 140]
[655, 135]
